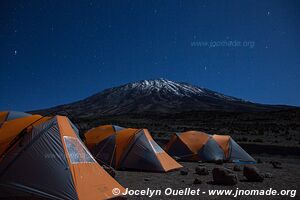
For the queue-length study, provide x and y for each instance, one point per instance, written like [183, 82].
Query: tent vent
[156, 147]
[77, 152]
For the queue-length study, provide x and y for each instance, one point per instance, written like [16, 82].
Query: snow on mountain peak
[181, 89]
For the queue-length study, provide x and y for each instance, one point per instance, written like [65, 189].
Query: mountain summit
[158, 96]
[168, 87]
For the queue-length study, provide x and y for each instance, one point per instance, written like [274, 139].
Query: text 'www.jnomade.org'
[197, 192]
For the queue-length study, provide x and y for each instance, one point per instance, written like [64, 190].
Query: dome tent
[196, 145]
[51, 162]
[129, 148]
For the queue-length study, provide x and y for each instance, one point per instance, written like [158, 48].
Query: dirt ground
[287, 178]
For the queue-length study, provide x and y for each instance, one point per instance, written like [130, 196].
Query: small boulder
[237, 168]
[197, 181]
[201, 170]
[223, 176]
[276, 164]
[268, 175]
[184, 172]
[147, 179]
[252, 174]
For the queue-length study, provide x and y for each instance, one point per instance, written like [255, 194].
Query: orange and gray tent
[196, 145]
[50, 162]
[132, 149]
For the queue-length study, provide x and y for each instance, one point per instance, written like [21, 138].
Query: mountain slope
[157, 96]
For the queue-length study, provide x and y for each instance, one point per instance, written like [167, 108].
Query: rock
[252, 174]
[276, 164]
[268, 175]
[201, 170]
[197, 181]
[109, 170]
[147, 179]
[184, 172]
[259, 161]
[224, 176]
[219, 162]
[237, 168]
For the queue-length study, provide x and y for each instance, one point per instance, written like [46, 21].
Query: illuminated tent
[49, 161]
[128, 149]
[195, 146]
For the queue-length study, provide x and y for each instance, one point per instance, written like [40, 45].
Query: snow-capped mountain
[158, 96]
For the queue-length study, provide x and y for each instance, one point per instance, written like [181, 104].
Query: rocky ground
[287, 178]
[279, 128]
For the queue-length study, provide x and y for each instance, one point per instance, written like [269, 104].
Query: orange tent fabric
[11, 115]
[92, 137]
[194, 140]
[186, 145]
[11, 128]
[224, 142]
[123, 140]
[3, 116]
[129, 149]
[51, 162]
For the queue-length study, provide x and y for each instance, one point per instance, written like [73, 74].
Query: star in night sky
[55, 53]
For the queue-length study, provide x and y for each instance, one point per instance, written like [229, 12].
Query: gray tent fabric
[117, 128]
[211, 151]
[180, 149]
[156, 147]
[15, 115]
[104, 151]
[23, 170]
[238, 154]
[74, 127]
[142, 154]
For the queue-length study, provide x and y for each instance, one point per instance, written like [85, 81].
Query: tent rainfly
[196, 145]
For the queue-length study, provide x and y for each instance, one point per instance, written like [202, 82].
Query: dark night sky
[55, 52]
